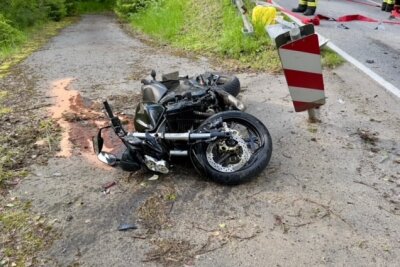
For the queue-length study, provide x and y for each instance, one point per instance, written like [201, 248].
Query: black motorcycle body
[180, 117]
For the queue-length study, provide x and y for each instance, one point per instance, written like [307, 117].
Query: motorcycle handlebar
[108, 109]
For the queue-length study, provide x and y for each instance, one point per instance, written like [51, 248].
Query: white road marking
[374, 76]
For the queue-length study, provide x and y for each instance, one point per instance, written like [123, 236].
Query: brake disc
[243, 158]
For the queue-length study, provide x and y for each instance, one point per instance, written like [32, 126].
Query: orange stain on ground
[80, 120]
[62, 96]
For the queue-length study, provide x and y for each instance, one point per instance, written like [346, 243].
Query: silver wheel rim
[243, 157]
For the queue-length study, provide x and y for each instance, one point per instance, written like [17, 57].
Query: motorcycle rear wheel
[230, 84]
[234, 161]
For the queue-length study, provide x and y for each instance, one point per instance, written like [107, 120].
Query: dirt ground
[330, 195]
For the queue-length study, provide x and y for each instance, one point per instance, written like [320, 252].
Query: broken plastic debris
[153, 178]
[342, 26]
[127, 226]
[384, 158]
[109, 185]
[341, 101]
[380, 27]
[216, 233]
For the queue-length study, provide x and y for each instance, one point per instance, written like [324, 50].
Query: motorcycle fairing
[152, 93]
[148, 116]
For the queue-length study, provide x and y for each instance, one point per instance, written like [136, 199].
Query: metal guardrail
[247, 26]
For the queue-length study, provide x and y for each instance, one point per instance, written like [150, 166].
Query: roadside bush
[70, 7]
[56, 9]
[89, 6]
[22, 13]
[9, 36]
[129, 7]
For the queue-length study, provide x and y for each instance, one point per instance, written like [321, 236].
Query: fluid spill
[80, 119]
[62, 96]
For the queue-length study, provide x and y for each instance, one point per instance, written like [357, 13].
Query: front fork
[150, 140]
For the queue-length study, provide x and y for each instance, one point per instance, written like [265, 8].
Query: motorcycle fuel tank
[148, 116]
[152, 93]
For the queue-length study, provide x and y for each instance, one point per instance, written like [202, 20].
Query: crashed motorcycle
[196, 118]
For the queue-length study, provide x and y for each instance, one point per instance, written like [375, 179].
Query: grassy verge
[26, 41]
[94, 6]
[31, 40]
[208, 27]
[22, 234]
[330, 59]
[28, 137]
[213, 28]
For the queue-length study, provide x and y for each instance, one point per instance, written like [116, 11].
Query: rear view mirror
[107, 158]
[98, 141]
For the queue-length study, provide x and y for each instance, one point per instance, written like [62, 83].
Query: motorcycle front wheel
[234, 160]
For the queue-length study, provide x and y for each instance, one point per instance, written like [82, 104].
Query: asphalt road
[329, 197]
[362, 40]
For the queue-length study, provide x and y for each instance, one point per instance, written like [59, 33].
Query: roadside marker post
[301, 62]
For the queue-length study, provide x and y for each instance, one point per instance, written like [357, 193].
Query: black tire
[255, 165]
[230, 84]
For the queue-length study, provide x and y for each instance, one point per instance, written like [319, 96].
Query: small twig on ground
[149, 259]
[203, 251]
[139, 236]
[243, 238]
[364, 183]
[172, 206]
[48, 136]
[171, 259]
[328, 210]
[201, 228]
[286, 156]
[389, 211]
[291, 174]
[33, 108]
[256, 193]
[158, 256]
[310, 222]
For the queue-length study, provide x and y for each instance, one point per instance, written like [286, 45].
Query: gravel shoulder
[330, 195]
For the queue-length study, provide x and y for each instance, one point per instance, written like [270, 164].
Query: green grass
[208, 27]
[19, 43]
[34, 38]
[162, 21]
[23, 233]
[94, 6]
[330, 59]
[3, 110]
[214, 28]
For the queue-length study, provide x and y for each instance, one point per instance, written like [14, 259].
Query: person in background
[388, 5]
[397, 5]
[308, 7]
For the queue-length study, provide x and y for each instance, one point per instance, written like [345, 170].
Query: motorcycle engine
[187, 114]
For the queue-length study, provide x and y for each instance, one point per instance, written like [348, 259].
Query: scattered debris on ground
[170, 252]
[368, 136]
[154, 211]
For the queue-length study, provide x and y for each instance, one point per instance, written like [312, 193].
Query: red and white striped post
[301, 63]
